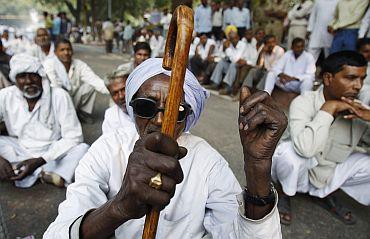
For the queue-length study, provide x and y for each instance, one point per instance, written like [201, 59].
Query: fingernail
[240, 126]
[241, 109]
[246, 127]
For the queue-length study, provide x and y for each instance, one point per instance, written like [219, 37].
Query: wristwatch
[260, 201]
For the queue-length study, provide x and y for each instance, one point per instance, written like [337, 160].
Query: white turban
[195, 94]
[24, 63]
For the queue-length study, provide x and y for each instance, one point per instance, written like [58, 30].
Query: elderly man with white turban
[76, 77]
[199, 196]
[45, 136]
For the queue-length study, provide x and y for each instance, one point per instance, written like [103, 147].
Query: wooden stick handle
[175, 58]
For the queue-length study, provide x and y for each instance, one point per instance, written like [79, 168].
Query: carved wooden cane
[175, 58]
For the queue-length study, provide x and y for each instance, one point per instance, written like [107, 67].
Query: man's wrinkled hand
[27, 167]
[155, 153]
[6, 170]
[261, 125]
[359, 110]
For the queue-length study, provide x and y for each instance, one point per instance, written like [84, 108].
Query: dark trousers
[241, 31]
[201, 67]
[108, 46]
[344, 40]
[217, 32]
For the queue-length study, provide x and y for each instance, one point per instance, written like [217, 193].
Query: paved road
[29, 211]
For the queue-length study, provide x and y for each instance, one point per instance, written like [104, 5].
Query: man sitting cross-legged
[76, 77]
[294, 72]
[45, 136]
[116, 116]
[326, 127]
[233, 54]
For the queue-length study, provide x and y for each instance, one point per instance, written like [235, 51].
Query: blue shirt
[203, 19]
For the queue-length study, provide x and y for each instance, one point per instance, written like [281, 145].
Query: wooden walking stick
[175, 58]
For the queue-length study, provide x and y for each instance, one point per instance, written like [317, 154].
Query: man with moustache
[199, 194]
[326, 127]
[116, 116]
[43, 47]
[45, 136]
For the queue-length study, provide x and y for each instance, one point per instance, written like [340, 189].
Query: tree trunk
[176, 3]
[93, 14]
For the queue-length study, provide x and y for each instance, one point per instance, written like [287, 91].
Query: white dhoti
[297, 86]
[84, 98]
[64, 166]
[291, 170]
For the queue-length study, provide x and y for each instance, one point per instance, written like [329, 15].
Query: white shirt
[365, 25]
[300, 17]
[228, 17]
[269, 60]
[115, 118]
[78, 73]
[36, 51]
[303, 67]
[166, 20]
[240, 18]
[205, 201]
[203, 51]
[217, 18]
[50, 130]
[250, 54]
[203, 19]
[7, 45]
[235, 53]
[322, 14]
[365, 91]
[128, 32]
[157, 45]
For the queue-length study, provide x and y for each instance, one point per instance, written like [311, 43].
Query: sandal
[331, 204]
[285, 210]
[52, 178]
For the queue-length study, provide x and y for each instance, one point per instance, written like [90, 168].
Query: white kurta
[50, 131]
[250, 53]
[322, 14]
[203, 50]
[365, 25]
[80, 81]
[157, 46]
[35, 50]
[303, 68]
[205, 202]
[269, 60]
[365, 91]
[235, 53]
[115, 118]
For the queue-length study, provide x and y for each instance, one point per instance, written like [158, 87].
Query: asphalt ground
[30, 211]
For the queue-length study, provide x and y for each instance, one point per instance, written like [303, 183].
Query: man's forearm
[258, 183]
[100, 223]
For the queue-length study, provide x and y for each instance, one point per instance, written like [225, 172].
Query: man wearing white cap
[45, 136]
[198, 195]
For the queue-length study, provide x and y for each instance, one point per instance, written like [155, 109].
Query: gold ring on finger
[156, 181]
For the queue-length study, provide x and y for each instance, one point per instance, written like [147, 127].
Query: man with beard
[326, 127]
[45, 136]
[116, 116]
[43, 47]
[76, 77]
[294, 72]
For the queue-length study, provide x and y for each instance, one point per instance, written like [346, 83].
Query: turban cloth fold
[24, 63]
[195, 94]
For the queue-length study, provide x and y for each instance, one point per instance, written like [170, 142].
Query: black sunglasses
[147, 109]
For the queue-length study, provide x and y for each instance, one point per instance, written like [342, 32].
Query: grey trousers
[84, 98]
[256, 75]
[221, 68]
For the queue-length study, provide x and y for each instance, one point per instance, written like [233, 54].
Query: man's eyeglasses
[147, 109]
